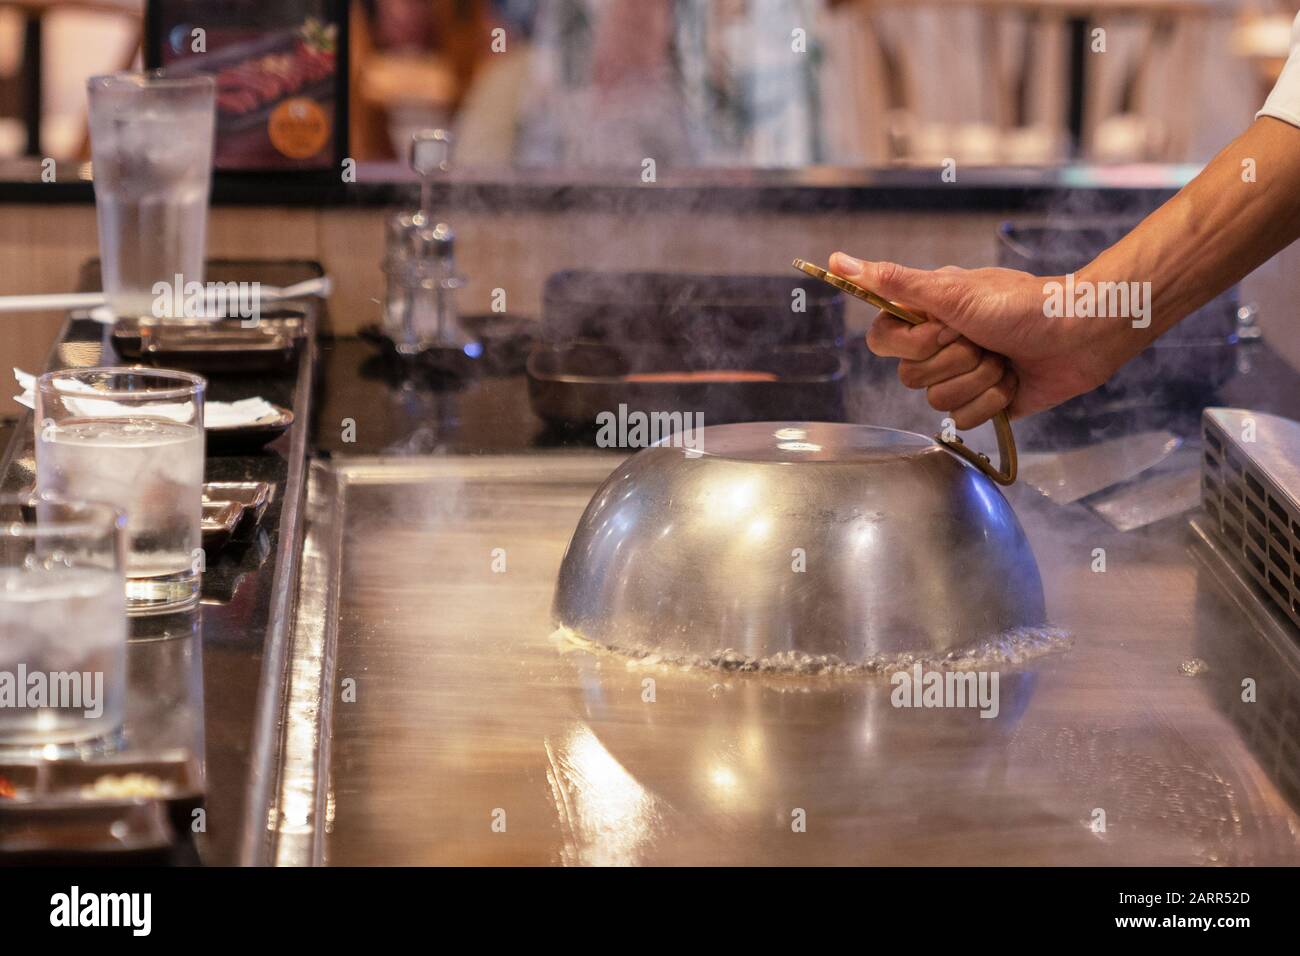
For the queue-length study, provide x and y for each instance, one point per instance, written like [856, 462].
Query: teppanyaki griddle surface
[468, 715]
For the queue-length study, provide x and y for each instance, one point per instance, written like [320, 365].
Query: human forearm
[1241, 210]
[1050, 338]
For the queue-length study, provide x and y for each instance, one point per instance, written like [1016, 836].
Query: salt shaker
[420, 313]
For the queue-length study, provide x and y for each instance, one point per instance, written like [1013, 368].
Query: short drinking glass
[62, 623]
[132, 437]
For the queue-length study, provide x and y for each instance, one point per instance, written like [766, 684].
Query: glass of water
[132, 437]
[151, 146]
[62, 623]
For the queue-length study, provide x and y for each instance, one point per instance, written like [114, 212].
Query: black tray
[217, 346]
[570, 385]
[709, 316]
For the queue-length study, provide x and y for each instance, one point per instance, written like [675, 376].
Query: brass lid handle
[1005, 474]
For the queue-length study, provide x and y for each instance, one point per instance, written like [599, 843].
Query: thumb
[933, 292]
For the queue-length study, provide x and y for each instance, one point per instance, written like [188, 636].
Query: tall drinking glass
[151, 143]
[62, 623]
[132, 437]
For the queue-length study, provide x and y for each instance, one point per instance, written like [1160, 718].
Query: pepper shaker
[420, 313]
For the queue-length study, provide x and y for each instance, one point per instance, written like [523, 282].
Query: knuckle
[887, 337]
[889, 274]
[927, 338]
[914, 351]
[878, 337]
[955, 295]
[968, 355]
[991, 367]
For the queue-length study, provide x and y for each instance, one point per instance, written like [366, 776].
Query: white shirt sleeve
[1284, 102]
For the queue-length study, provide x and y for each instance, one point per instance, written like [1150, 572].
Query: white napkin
[246, 411]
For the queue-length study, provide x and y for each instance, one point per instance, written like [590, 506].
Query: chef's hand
[988, 345]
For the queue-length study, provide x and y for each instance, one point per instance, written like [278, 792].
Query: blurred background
[777, 127]
[736, 83]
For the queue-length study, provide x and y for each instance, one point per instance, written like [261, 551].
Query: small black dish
[241, 439]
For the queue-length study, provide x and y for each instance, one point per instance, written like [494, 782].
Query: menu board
[280, 70]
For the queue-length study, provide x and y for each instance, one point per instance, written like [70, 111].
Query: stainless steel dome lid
[853, 541]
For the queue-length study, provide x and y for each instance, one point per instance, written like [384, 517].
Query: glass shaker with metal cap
[420, 313]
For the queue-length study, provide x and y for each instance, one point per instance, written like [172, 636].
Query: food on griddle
[708, 375]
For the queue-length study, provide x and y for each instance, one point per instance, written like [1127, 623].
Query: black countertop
[215, 685]
[1088, 188]
[365, 408]
[207, 681]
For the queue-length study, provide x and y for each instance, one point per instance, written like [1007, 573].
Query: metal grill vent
[1250, 492]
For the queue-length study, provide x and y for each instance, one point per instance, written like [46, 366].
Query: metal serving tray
[431, 717]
